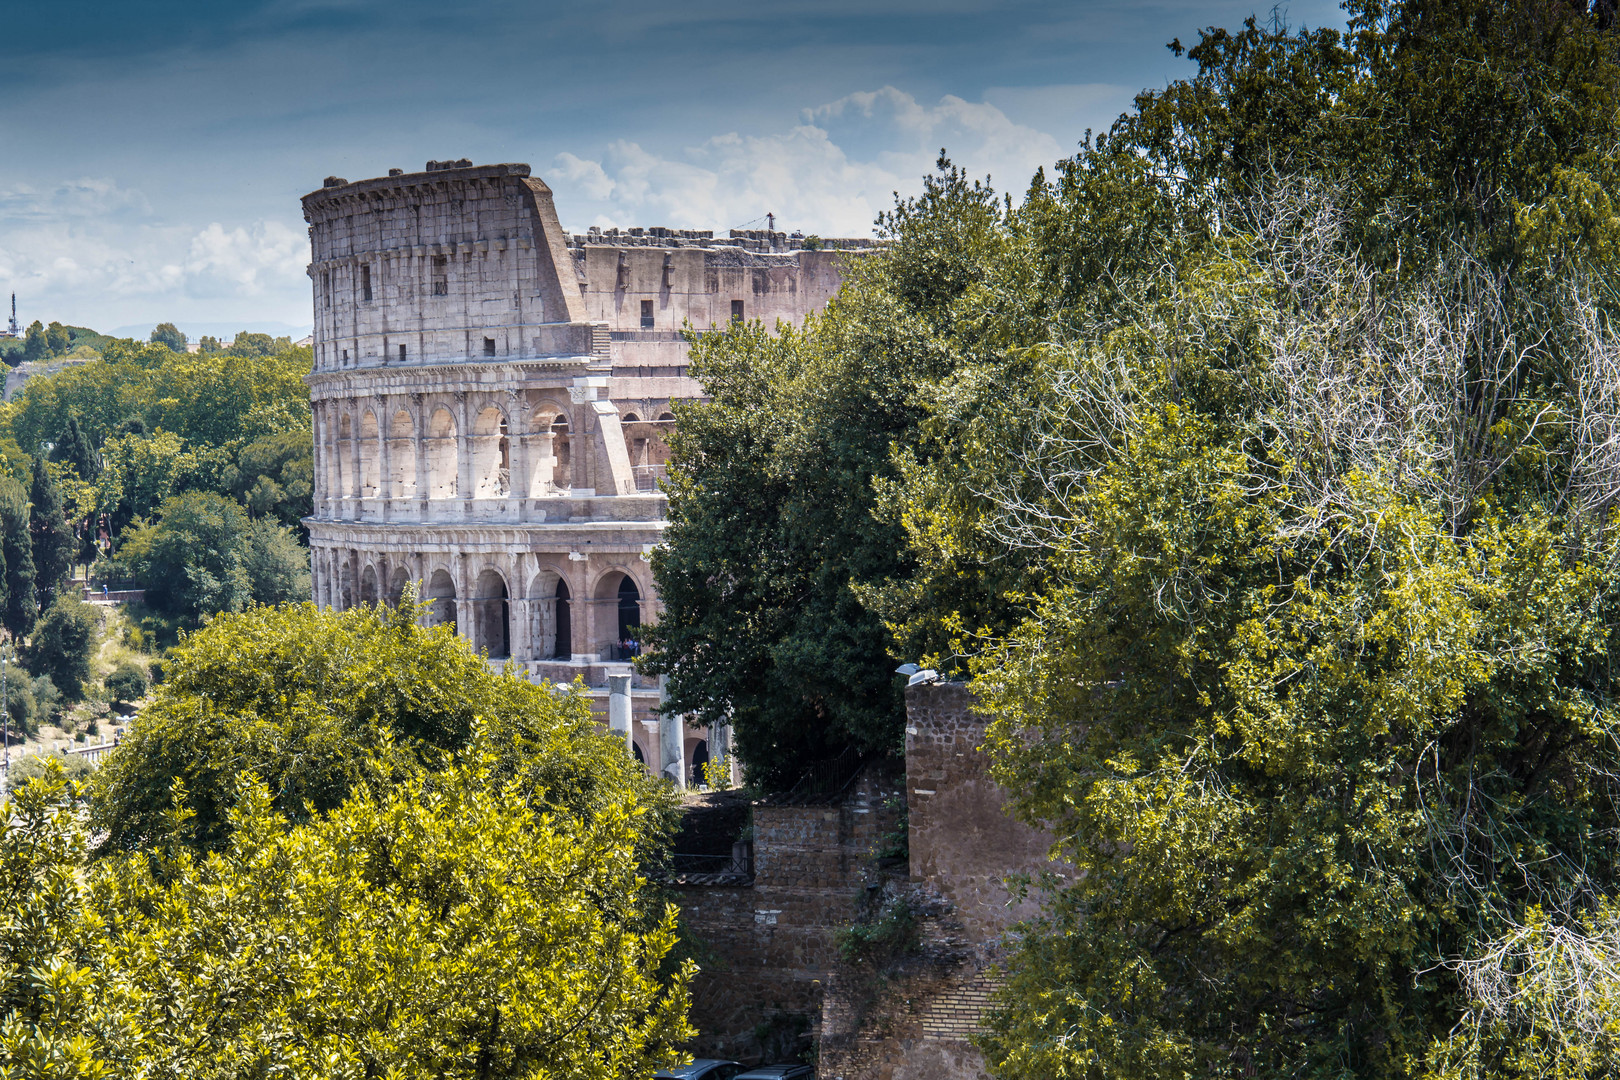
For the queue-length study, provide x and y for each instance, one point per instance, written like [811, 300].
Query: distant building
[491, 400]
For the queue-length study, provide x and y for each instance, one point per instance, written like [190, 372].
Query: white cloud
[832, 173]
[90, 251]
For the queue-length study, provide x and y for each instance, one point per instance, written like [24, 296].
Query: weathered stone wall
[964, 846]
[767, 948]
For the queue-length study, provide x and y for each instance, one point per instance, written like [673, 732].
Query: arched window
[441, 455]
[629, 611]
[564, 637]
[441, 596]
[368, 585]
[493, 615]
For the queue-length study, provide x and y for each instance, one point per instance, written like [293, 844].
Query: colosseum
[491, 400]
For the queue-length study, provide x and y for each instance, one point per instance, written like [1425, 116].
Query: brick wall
[766, 949]
[964, 846]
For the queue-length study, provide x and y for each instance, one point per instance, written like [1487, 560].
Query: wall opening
[492, 629]
[489, 346]
[563, 633]
[441, 275]
[402, 354]
[368, 586]
[560, 475]
[646, 314]
[365, 283]
[697, 773]
[736, 311]
[441, 598]
[396, 586]
[492, 455]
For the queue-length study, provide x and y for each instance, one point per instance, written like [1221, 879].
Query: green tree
[35, 344]
[322, 701]
[57, 339]
[127, 682]
[17, 545]
[50, 535]
[48, 953]
[437, 927]
[208, 344]
[274, 476]
[774, 541]
[169, 335]
[193, 561]
[277, 565]
[62, 643]
[74, 449]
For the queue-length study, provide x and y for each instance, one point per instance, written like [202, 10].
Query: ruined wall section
[963, 848]
[452, 264]
[768, 947]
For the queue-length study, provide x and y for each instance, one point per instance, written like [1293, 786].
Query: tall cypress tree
[74, 449]
[53, 540]
[16, 545]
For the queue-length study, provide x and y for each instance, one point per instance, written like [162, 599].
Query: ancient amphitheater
[491, 400]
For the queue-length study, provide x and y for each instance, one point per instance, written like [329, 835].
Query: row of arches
[548, 618]
[498, 448]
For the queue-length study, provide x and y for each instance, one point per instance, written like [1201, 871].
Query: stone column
[671, 739]
[419, 421]
[355, 486]
[619, 710]
[541, 460]
[464, 475]
[385, 458]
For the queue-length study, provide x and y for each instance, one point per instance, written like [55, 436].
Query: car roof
[773, 1072]
[684, 1072]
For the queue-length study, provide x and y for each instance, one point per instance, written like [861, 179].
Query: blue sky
[152, 152]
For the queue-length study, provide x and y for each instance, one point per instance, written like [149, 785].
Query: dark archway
[629, 610]
[700, 763]
[493, 614]
[564, 638]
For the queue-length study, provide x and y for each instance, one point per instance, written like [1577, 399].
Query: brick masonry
[964, 847]
[769, 950]
[766, 949]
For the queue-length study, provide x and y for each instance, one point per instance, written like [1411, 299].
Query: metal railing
[740, 863]
[647, 476]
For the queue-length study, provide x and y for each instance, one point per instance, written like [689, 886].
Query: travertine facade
[491, 398]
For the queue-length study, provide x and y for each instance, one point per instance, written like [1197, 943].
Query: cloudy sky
[152, 152]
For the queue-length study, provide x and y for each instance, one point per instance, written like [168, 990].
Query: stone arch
[617, 608]
[402, 454]
[369, 592]
[542, 612]
[492, 615]
[697, 763]
[562, 631]
[441, 598]
[345, 460]
[492, 455]
[663, 416]
[440, 443]
[560, 447]
[370, 453]
[630, 418]
[396, 585]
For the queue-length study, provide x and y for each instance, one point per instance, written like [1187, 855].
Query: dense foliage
[390, 862]
[1260, 468]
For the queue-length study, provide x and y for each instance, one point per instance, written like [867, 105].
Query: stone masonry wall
[766, 948]
[964, 846]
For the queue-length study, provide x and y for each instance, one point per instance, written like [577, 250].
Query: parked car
[701, 1069]
[778, 1072]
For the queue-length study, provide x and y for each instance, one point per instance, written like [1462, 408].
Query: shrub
[62, 644]
[32, 766]
[127, 682]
